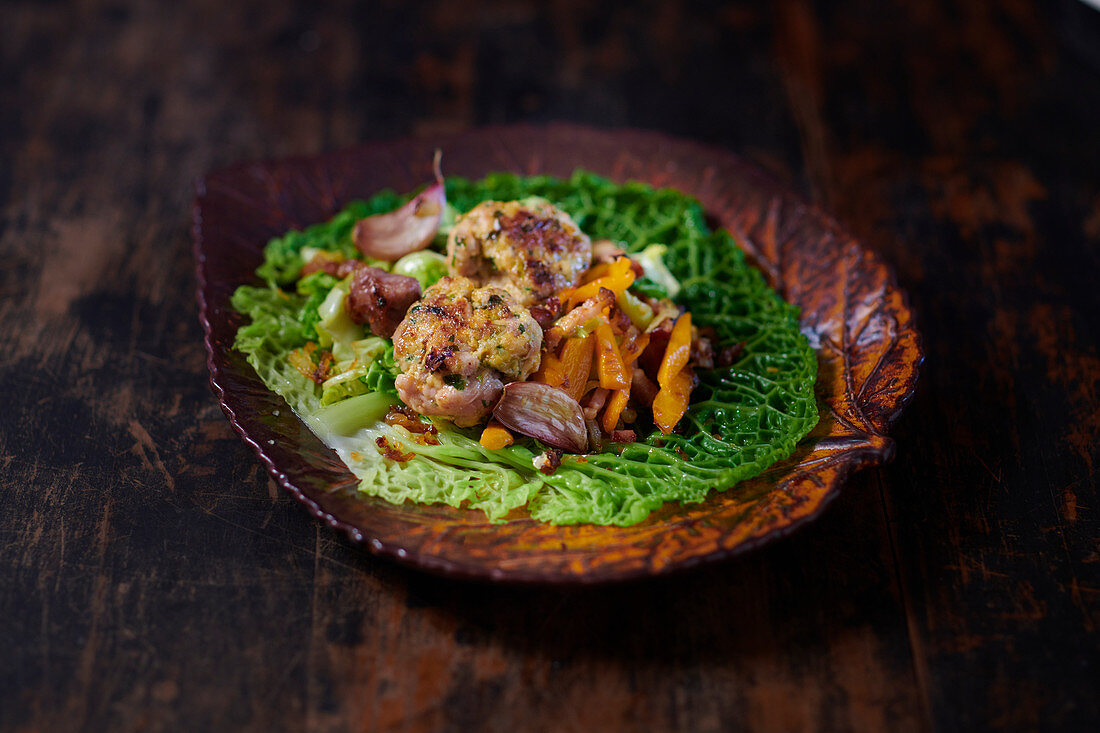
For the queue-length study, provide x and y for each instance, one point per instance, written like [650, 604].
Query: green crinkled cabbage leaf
[742, 418]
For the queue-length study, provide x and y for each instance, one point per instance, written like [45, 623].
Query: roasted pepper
[671, 402]
[576, 364]
[495, 437]
[677, 352]
[619, 277]
[609, 362]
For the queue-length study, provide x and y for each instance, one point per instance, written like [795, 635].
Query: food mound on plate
[571, 350]
[459, 345]
[533, 249]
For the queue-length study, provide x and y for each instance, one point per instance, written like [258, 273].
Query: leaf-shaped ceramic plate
[852, 310]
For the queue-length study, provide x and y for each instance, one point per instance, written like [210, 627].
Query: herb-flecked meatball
[458, 346]
[533, 248]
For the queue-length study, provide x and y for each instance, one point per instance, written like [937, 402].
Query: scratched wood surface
[154, 578]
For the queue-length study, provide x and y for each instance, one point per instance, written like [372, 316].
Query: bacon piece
[546, 312]
[548, 461]
[727, 356]
[642, 388]
[654, 353]
[381, 299]
[604, 250]
[595, 402]
[623, 436]
[586, 311]
[702, 352]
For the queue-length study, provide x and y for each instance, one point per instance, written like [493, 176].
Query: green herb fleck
[649, 288]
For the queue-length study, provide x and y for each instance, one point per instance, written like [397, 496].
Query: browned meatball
[534, 249]
[458, 346]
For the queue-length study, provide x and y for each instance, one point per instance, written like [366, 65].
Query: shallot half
[408, 229]
[543, 412]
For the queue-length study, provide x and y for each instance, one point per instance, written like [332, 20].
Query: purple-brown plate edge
[857, 318]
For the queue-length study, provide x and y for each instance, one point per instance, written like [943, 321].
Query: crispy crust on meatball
[533, 249]
[457, 347]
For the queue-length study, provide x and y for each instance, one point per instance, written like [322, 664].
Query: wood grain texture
[148, 584]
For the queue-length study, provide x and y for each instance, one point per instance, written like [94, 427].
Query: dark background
[151, 575]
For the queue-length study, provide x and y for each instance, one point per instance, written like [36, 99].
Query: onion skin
[408, 229]
[543, 412]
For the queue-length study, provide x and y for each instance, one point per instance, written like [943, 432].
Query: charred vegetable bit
[671, 401]
[548, 461]
[423, 432]
[678, 350]
[316, 371]
[610, 365]
[387, 449]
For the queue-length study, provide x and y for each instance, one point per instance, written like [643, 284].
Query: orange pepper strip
[620, 397]
[619, 277]
[614, 409]
[632, 352]
[677, 352]
[609, 362]
[671, 402]
[495, 437]
[549, 371]
[596, 272]
[576, 364]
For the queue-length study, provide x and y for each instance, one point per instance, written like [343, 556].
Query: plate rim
[466, 569]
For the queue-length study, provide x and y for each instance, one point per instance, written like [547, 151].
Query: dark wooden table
[152, 576]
